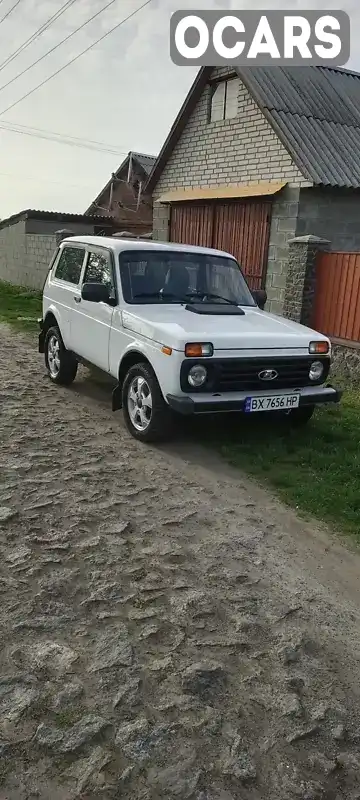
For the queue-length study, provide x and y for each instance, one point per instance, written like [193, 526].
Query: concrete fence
[25, 257]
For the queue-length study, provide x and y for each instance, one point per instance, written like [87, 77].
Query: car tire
[60, 364]
[300, 416]
[147, 416]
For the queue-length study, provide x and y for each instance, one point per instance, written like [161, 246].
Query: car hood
[174, 326]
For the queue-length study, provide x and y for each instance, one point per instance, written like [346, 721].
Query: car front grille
[238, 375]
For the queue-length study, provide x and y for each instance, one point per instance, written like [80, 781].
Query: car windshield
[158, 276]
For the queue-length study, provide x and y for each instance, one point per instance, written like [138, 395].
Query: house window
[224, 100]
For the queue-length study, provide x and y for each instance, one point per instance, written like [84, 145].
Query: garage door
[192, 224]
[240, 228]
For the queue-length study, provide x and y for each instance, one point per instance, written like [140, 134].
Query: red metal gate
[240, 228]
[336, 311]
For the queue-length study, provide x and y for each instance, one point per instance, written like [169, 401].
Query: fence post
[301, 277]
[63, 234]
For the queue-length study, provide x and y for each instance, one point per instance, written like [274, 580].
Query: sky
[124, 93]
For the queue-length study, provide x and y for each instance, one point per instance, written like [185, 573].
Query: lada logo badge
[267, 374]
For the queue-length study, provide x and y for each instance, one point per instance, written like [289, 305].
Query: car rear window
[70, 264]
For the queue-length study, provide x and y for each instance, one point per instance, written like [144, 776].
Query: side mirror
[95, 292]
[260, 297]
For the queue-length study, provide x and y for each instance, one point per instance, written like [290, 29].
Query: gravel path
[168, 630]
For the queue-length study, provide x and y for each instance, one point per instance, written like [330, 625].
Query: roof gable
[145, 162]
[315, 112]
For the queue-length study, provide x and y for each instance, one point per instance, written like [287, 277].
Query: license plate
[280, 402]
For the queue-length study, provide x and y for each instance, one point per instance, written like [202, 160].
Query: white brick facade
[231, 151]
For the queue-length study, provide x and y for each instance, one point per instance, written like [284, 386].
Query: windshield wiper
[218, 297]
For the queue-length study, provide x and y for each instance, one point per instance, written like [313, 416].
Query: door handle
[77, 299]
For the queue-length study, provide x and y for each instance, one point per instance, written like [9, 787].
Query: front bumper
[235, 401]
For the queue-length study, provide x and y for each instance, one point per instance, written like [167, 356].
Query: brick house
[124, 199]
[257, 156]
[28, 240]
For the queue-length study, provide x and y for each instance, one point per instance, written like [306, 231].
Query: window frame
[213, 87]
[68, 246]
[101, 251]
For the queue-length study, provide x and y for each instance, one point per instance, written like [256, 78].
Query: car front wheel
[60, 364]
[147, 416]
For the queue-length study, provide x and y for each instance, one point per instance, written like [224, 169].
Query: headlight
[197, 375]
[316, 370]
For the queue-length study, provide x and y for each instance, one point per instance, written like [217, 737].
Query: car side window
[99, 270]
[70, 264]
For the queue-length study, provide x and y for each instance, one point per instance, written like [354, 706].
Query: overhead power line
[12, 125]
[59, 139]
[10, 11]
[56, 46]
[37, 33]
[72, 61]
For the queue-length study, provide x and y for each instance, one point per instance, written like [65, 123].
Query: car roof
[120, 245]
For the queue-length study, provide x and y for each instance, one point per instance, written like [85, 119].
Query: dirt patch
[167, 628]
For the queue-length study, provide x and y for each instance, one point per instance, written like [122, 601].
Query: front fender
[166, 367]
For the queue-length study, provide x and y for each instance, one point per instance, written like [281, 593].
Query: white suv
[179, 330]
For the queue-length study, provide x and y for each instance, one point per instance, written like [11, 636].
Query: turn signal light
[319, 347]
[198, 349]
[166, 350]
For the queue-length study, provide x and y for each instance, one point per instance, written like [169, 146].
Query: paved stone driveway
[158, 637]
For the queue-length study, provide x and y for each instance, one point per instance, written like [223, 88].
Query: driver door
[91, 322]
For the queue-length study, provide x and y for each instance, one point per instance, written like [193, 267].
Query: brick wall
[332, 214]
[283, 228]
[237, 151]
[39, 251]
[25, 254]
[24, 258]
[12, 253]
[230, 151]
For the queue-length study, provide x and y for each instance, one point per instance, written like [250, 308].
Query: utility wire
[37, 33]
[59, 140]
[16, 125]
[56, 46]
[10, 11]
[72, 61]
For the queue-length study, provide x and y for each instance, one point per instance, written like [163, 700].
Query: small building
[124, 199]
[28, 240]
[257, 156]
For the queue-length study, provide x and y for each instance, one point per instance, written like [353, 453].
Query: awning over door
[234, 192]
